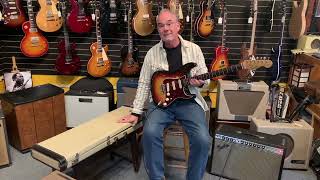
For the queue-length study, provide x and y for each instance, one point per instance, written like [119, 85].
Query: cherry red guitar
[78, 21]
[67, 62]
[33, 44]
[13, 14]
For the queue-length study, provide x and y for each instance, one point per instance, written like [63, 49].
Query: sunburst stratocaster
[48, 18]
[167, 87]
[99, 64]
[33, 44]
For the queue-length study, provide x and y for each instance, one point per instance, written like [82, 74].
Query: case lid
[88, 93]
[31, 94]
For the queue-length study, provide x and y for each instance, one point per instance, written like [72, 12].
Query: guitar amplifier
[309, 42]
[241, 100]
[298, 140]
[246, 155]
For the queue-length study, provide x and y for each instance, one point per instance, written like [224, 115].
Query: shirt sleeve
[201, 65]
[143, 85]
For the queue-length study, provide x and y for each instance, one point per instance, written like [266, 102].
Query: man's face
[168, 26]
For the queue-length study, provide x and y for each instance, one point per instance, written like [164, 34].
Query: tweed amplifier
[298, 140]
[242, 154]
[241, 100]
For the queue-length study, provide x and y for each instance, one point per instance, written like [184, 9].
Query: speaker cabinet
[246, 155]
[298, 140]
[308, 42]
[241, 100]
[4, 148]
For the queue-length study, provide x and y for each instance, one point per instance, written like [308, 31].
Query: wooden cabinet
[308, 59]
[33, 115]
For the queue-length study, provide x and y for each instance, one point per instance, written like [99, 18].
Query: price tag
[93, 17]
[220, 20]
[187, 18]
[250, 20]
[125, 18]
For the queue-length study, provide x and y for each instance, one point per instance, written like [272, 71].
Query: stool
[176, 130]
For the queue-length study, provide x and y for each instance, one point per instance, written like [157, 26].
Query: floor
[24, 167]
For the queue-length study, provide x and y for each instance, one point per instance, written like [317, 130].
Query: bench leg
[135, 154]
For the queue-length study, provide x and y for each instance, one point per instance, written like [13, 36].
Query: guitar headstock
[255, 64]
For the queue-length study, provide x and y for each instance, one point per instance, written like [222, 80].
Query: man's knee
[152, 133]
[202, 141]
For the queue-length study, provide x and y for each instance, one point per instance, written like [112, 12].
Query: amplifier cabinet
[298, 140]
[82, 106]
[241, 100]
[246, 155]
[5, 159]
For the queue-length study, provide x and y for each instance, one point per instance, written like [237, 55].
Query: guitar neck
[191, 20]
[130, 43]
[224, 28]
[33, 27]
[283, 20]
[65, 31]
[253, 33]
[98, 31]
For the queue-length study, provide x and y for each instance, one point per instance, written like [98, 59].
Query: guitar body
[176, 7]
[13, 15]
[244, 74]
[47, 18]
[130, 65]
[221, 61]
[33, 44]
[99, 64]
[297, 23]
[65, 66]
[143, 20]
[204, 22]
[111, 17]
[159, 78]
[77, 22]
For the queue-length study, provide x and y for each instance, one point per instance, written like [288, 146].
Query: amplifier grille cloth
[236, 161]
[243, 102]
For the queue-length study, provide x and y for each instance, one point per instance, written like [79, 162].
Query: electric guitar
[48, 18]
[221, 58]
[309, 14]
[78, 21]
[99, 64]
[129, 54]
[297, 23]
[270, 16]
[110, 17]
[33, 44]
[246, 53]
[12, 13]
[167, 87]
[205, 21]
[175, 6]
[67, 62]
[143, 20]
[276, 54]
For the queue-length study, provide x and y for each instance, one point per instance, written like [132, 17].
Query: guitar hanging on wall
[167, 87]
[246, 53]
[204, 23]
[110, 17]
[129, 54]
[12, 13]
[297, 23]
[33, 44]
[143, 21]
[67, 62]
[221, 58]
[175, 6]
[269, 20]
[99, 64]
[276, 53]
[78, 21]
[48, 18]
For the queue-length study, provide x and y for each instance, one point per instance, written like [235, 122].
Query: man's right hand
[129, 119]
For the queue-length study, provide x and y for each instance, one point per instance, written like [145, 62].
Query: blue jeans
[192, 118]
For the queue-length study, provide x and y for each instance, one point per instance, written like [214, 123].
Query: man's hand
[129, 119]
[196, 82]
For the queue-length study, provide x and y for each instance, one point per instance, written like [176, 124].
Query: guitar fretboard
[33, 27]
[130, 43]
[213, 74]
[98, 31]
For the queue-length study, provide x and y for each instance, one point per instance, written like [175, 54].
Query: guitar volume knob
[167, 99]
[168, 94]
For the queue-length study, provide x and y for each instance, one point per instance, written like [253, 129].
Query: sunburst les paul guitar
[204, 23]
[143, 20]
[130, 64]
[99, 64]
[48, 18]
[167, 87]
[221, 58]
[175, 6]
[33, 44]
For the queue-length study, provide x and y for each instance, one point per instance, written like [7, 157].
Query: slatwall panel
[238, 31]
